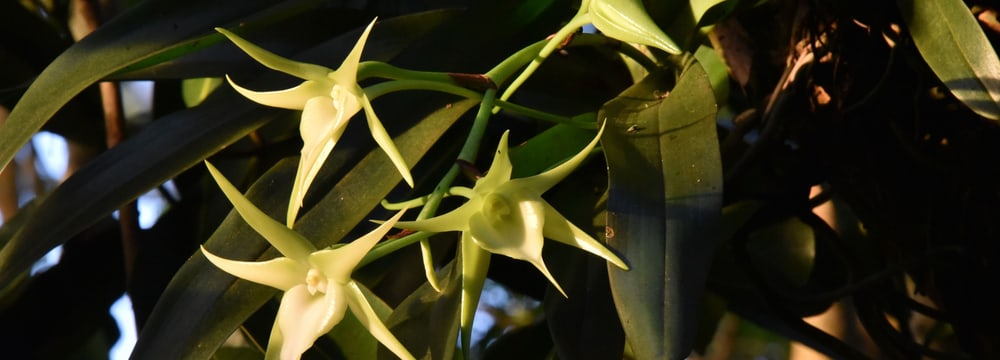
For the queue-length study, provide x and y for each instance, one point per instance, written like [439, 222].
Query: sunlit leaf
[700, 7]
[194, 91]
[955, 47]
[664, 207]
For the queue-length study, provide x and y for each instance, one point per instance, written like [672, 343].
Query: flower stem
[468, 154]
[383, 88]
[575, 23]
[391, 86]
[388, 247]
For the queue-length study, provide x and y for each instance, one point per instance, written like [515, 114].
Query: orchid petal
[509, 228]
[366, 315]
[543, 182]
[288, 242]
[339, 263]
[321, 126]
[280, 273]
[347, 73]
[628, 21]
[500, 168]
[385, 141]
[274, 343]
[271, 60]
[293, 98]
[559, 229]
[475, 263]
[304, 317]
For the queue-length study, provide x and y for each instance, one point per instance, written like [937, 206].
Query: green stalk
[575, 23]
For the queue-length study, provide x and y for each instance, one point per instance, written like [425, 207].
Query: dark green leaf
[531, 342]
[548, 148]
[664, 207]
[146, 32]
[587, 315]
[957, 50]
[785, 251]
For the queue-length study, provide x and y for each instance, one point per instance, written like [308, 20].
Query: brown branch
[85, 20]
[8, 182]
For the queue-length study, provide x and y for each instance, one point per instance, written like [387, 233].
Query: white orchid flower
[317, 283]
[509, 217]
[328, 99]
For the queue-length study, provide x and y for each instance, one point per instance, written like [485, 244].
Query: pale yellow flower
[317, 283]
[509, 217]
[328, 99]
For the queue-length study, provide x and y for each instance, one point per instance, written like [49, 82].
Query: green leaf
[548, 148]
[206, 305]
[194, 91]
[664, 207]
[587, 314]
[956, 49]
[785, 251]
[164, 149]
[700, 7]
[718, 73]
[147, 31]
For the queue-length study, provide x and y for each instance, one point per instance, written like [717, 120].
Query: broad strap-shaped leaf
[588, 315]
[956, 49]
[148, 30]
[664, 206]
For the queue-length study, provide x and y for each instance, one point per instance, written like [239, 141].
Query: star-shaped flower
[328, 99]
[317, 283]
[509, 217]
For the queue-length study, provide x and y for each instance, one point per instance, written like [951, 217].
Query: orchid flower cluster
[501, 215]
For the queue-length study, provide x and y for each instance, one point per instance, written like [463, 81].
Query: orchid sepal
[628, 21]
[289, 243]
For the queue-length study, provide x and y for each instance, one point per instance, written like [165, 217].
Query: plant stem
[575, 23]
